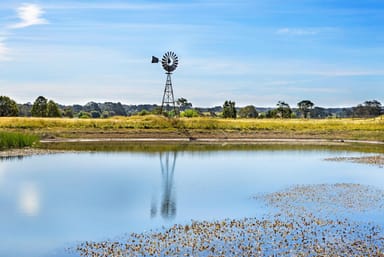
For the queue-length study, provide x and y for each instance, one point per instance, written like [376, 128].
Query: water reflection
[11, 158]
[49, 200]
[29, 199]
[168, 199]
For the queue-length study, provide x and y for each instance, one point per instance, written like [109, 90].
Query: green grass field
[157, 126]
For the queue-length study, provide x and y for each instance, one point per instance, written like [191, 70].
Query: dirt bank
[210, 141]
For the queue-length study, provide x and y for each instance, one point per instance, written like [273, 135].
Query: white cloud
[30, 14]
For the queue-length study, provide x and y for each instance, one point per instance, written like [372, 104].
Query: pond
[49, 202]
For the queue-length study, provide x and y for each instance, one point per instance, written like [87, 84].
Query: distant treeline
[43, 107]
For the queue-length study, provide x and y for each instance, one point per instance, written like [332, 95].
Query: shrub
[144, 112]
[190, 113]
[84, 115]
[95, 114]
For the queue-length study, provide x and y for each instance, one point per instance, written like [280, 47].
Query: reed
[16, 140]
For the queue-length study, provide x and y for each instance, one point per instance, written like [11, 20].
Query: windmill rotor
[170, 61]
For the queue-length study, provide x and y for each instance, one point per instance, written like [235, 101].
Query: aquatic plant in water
[293, 231]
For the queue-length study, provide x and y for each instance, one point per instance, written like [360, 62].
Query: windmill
[169, 63]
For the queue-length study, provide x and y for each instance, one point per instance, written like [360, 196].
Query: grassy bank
[16, 140]
[156, 126]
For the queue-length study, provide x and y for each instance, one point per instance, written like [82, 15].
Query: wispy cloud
[348, 73]
[297, 31]
[4, 51]
[112, 5]
[109, 6]
[30, 15]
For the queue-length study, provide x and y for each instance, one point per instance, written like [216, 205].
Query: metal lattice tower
[168, 103]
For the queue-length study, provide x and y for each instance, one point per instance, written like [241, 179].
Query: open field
[161, 127]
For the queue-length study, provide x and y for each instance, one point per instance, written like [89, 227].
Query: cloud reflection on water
[29, 199]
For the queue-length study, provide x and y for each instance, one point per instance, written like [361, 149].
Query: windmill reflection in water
[168, 200]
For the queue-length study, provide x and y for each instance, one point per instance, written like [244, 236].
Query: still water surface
[51, 201]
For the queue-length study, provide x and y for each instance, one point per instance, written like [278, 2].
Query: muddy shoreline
[375, 160]
[212, 140]
[24, 152]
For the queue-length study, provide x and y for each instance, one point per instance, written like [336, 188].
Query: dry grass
[363, 129]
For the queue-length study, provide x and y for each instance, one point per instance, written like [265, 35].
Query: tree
[320, 113]
[68, 112]
[113, 109]
[374, 107]
[305, 108]
[25, 109]
[229, 110]
[53, 109]
[183, 104]
[76, 108]
[272, 114]
[118, 108]
[248, 112]
[91, 106]
[368, 109]
[39, 108]
[283, 110]
[8, 107]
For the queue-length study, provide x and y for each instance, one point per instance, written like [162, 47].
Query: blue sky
[252, 52]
